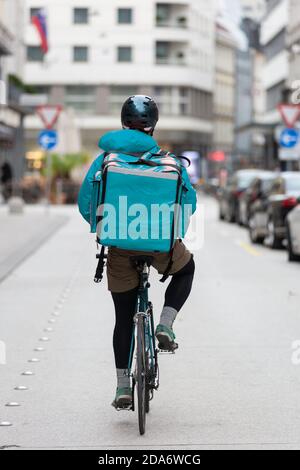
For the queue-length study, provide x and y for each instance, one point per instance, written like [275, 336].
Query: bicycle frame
[144, 308]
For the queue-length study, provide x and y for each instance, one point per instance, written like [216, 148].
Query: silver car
[293, 233]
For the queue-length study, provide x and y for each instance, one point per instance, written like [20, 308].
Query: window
[35, 54]
[163, 98]
[34, 11]
[162, 51]
[124, 54]
[274, 96]
[81, 98]
[118, 94]
[172, 100]
[184, 101]
[276, 45]
[41, 89]
[163, 12]
[81, 15]
[124, 15]
[80, 54]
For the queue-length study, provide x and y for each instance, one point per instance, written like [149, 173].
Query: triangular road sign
[290, 113]
[49, 115]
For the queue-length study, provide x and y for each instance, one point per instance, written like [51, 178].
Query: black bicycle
[145, 373]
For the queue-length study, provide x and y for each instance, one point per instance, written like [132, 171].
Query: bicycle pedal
[122, 408]
[172, 350]
[164, 351]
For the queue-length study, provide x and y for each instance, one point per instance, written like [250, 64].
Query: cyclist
[139, 117]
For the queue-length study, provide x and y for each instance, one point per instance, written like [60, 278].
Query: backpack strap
[168, 268]
[185, 159]
[165, 153]
[100, 266]
[100, 256]
[134, 154]
[170, 263]
[142, 161]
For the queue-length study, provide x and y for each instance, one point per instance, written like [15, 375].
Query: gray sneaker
[123, 398]
[166, 338]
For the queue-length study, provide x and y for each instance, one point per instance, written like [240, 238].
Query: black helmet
[139, 112]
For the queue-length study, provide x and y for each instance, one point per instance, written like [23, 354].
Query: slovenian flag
[40, 22]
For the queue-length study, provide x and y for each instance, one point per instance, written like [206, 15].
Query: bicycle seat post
[143, 276]
[142, 265]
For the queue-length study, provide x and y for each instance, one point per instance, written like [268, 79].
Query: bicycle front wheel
[141, 374]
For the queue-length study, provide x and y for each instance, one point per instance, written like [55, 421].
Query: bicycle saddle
[139, 261]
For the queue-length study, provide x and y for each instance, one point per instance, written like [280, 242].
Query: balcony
[6, 41]
[170, 15]
[171, 53]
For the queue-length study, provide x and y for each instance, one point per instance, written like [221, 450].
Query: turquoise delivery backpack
[136, 202]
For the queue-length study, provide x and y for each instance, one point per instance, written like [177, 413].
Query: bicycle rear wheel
[141, 374]
[148, 391]
[151, 361]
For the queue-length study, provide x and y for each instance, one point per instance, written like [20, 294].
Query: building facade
[293, 44]
[253, 9]
[276, 70]
[12, 149]
[250, 100]
[224, 96]
[102, 52]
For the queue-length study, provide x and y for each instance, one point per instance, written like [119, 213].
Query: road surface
[231, 385]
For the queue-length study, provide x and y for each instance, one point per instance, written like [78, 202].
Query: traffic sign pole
[48, 179]
[48, 140]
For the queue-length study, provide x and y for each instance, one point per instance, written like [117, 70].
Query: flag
[40, 22]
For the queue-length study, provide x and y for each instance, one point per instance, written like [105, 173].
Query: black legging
[176, 294]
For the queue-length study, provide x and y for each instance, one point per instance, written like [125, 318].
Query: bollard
[16, 205]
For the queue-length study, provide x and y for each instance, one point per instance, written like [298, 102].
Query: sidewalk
[22, 234]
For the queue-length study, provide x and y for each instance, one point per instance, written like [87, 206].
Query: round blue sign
[48, 139]
[289, 138]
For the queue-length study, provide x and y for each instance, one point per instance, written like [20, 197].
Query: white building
[254, 9]
[101, 52]
[224, 96]
[12, 149]
[276, 70]
[293, 43]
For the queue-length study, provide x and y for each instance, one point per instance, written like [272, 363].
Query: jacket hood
[127, 140]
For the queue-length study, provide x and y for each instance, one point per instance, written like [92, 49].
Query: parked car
[293, 233]
[269, 212]
[230, 195]
[212, 186]
[256, 191]
[258, 206]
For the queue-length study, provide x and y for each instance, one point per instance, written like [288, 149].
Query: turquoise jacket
[126, 140]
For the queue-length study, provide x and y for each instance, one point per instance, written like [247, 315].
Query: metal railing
[180, 23]
[171, 61]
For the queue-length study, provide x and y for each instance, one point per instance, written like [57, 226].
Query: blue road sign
[289, 138]
[48, 139]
